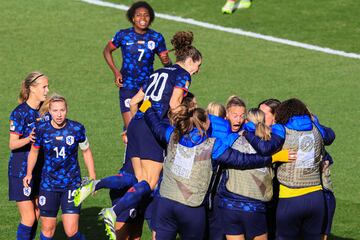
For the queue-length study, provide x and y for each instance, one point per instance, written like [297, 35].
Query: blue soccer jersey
[22, 120]
[61, 167]
[159, 88]
[138, 51]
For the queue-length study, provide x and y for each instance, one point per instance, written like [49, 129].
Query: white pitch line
[237, 31]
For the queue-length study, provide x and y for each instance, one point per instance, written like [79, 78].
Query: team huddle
[224, 172]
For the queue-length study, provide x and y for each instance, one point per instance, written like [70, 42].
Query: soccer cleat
[228, 7]
[109, 217]
[244, 4]
[87, 187]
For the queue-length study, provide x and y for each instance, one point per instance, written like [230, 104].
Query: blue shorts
[300, 217]
[142, 143]
[237, 222]
[17, 191]
[125, 96]
[330, 203]
[50, 201]
[151, 211]
[173, 217]
[214, 228]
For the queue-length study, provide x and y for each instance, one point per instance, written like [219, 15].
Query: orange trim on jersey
[185, 90]
[15, 133]
[112, 44]
[36, 147]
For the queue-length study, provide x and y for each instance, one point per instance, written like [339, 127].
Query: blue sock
[132, 197]
[42, 237]
[77, 236]
[33, 230]
[119, 182]
[23, 232]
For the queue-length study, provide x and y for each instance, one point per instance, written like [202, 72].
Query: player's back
[161, 84]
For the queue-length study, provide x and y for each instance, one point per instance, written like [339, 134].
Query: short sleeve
[117, 39]
[39, 138]
[16, 123]
[183, 82]
[82, 134]
[161, 47]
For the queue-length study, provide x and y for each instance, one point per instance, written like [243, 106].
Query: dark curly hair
[131, 11]
[289, 108]
[182, 43]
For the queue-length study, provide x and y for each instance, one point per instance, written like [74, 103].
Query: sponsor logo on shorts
[27, 191]
[42, 200]
[70, 140]
[151, 45]
[127, 102]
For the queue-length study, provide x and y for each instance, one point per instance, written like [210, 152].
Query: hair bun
[182, 39]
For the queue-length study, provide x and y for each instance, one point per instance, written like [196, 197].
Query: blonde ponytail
[257, 116]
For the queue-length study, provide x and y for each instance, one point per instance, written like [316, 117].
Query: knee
[28, 218]
[71, 230]
[48, 230]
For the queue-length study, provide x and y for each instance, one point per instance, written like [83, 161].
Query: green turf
[65, 40]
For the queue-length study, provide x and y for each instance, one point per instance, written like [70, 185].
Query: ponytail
[257, 116]
[30, 80]
[185, 120]
[182, 43]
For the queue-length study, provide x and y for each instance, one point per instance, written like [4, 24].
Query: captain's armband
[84, 145]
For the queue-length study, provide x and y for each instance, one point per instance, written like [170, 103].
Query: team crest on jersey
[27, 191]
[12, 126]
[151, 45]
[70, 140]
[127, 102]
[42, 200]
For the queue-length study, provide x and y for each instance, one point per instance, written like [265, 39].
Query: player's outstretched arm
[135, 100]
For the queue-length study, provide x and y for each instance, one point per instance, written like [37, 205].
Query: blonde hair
[216, 109]
[30, 80]
[235, 101]
[54, 98]
[257, 116]
[185, 120]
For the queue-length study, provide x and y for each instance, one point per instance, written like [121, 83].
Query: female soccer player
[138, 44]
[165, 90]
[244, 194]
[300, 211]
[127, 224]
[22, 125]
[59, 139]
[188, 170]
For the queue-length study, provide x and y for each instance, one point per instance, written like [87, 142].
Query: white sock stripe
[237, 31]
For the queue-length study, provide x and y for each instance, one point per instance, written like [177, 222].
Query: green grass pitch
[65, 39]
